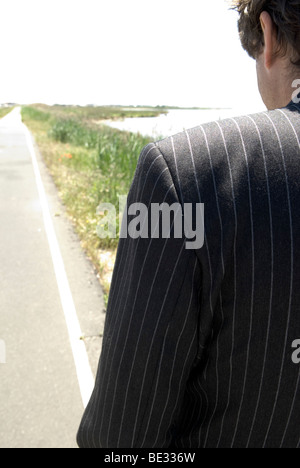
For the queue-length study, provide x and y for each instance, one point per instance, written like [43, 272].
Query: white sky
[155, 52]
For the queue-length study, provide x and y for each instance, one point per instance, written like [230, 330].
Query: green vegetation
[4, 111]
[93, 114]
[91, 163]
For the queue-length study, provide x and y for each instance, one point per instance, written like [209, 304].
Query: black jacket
[197, 348]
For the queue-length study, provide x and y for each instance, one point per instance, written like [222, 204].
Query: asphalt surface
[40, 398]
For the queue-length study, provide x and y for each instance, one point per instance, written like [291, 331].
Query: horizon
[138, 106]
[117, 52]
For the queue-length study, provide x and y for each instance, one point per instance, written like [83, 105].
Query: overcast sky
[130, 52]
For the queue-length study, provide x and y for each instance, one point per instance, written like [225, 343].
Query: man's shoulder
[231, 132]
[226, 152]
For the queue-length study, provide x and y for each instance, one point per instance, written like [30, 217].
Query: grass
[91, 164]
[4, 111]
[93, 114]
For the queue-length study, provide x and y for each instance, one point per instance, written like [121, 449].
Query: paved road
[41, 399]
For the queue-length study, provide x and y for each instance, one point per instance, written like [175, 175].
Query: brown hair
[285, 15]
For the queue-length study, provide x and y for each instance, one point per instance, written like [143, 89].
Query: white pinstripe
[235, 285]
[252, 288]
[291, 282]
[205, 237]
[177, 173]
[206, 244]
[223, 269]
[173, 365]
[271, 289]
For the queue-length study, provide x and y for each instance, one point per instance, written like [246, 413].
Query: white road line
[83, 369]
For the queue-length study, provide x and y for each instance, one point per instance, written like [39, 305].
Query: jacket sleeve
[151, 333]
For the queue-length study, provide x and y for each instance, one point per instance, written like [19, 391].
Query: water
[174, 122]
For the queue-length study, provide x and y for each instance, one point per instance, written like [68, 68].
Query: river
[173, 122]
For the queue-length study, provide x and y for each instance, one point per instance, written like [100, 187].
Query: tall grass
[71, 131]
[5, 110]
[90, 164]
[32, 113]
[113, 153]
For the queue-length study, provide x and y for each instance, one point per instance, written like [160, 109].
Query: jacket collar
[294, 104]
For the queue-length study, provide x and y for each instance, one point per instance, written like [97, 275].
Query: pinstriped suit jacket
[197, 348]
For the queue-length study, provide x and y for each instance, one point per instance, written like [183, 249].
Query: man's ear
[270, 39]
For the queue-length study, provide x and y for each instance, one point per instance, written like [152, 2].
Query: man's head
[270, 33]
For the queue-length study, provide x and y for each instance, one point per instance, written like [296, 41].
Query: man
[198, 344]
